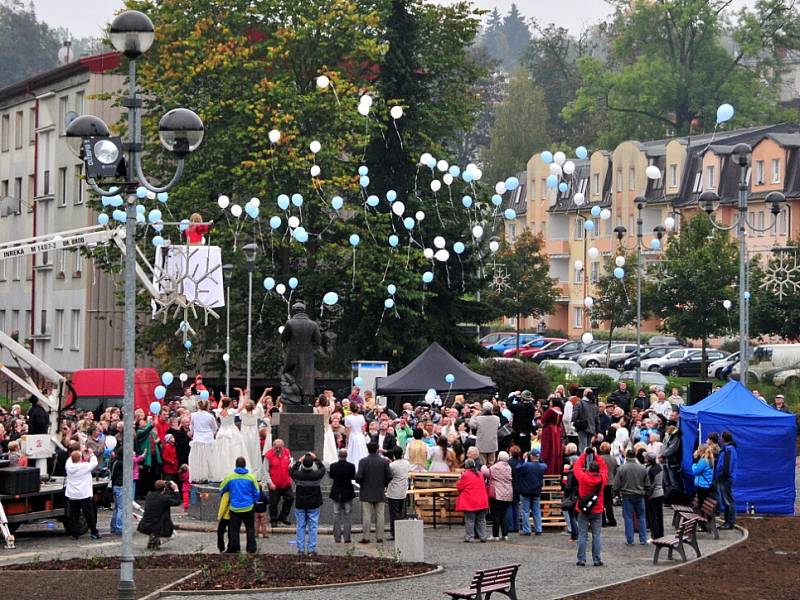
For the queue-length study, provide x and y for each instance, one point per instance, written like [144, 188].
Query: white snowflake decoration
[783, 275]
[500, 281]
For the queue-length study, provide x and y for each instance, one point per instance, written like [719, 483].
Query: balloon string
[438, 214]
[335, 95]
[461, 266]
[408, 255]
[399, 137]
[416, 176]
[447, 270]
[380, 323]
[386, 270]
[450, 194]
[448, 393]
[354, 269]
[272, 249]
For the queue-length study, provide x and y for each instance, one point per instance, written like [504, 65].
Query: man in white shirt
[397, 490]
[79, 493]
[661, 406]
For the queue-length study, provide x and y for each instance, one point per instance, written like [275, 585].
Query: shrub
[602, 384]
[510, 375]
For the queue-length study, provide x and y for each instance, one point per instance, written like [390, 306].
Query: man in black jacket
[383, 438]
[671, 456]
[157, 520]
[307, 474]
[586, 420]
[373, 476]
[523, 409]
[342, 493]
[38, 420]
[622, 397]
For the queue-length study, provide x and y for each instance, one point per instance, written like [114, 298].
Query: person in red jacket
[169, 459]
[592, 480]
[277, 461]
[473, 500]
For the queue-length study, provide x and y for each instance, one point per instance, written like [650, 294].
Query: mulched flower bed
[764, 566]
[221, 571]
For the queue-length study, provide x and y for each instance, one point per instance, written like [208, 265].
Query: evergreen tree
[27, 46]
[517, 36]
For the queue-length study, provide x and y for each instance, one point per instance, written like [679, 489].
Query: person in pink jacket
[501, 492]
[473, 500]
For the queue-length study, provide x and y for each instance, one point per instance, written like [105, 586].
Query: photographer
[157, 520]
[592, 476]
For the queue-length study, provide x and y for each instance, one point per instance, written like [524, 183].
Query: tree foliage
[771, 314]
[506, 37]
[615, 301]
[27, 46]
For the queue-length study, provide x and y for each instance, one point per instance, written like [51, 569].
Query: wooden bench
[488, 581]
[686, 534]
[707, 514]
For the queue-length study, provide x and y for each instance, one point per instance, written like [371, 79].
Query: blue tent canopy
[765, 439]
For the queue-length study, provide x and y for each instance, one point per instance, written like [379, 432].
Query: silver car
[645, 377]
[570, 366]
[655, 364]
[606, 353]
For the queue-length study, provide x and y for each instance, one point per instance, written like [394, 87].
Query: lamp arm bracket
[98, 190]
[716, 225]
[157, 190]
[773, 221]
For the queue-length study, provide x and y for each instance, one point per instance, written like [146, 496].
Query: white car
[655, 364]
[612, 373]
[606, 353]
[645, 378]
[572, 368]
[715, 367]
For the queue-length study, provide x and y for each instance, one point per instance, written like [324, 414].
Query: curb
[212, 528]
[165, 591]
[745, 534]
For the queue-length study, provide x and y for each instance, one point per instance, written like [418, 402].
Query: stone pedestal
[301, 433]
[409, 540]
[204, 501]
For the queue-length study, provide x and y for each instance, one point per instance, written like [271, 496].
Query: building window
[596, 183]
[698, 182]
[16, 268]
[78, 190]
[673, 176]
[28, 324]
[5, 125]
[46, 183]
[18, 189]
[579, 222]
[75, 330]
[79, 107]
[78, 263]
[583, 185]
[594, 276]
[62, 262]
[533, 189]
[63, 107]
[543, 229]
[578, 275]
[760, 223]
[4, 188]
[631, 225]
[782, 222]
[3, 270]
[710, 177]
[512, 233]
[543, 187]
[760, 172]
[30, 194]
[32, 126]
[43, 323]
[62, 186]
[776, 170]
[607, 228]
[59, 330]
[619, 180]
[632, 179]
[2, 320]
[18, 125]
[577, 317]
[14, 321]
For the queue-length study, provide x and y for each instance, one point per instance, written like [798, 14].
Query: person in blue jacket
[530, 477]
[725, 475]
[703, 471]
[244, 492]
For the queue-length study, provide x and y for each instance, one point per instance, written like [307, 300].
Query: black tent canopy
[428, 371]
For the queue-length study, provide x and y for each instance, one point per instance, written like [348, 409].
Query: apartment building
[617, 182]
[57, 302]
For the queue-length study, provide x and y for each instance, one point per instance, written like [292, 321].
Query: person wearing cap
[780, 404]
[486, 426]
[307, 474]
[530, 479]
[522, 410]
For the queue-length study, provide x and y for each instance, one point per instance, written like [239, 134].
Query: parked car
[689, 365]
[511, 342]
[717, 368]
[494, 337]
[553, 353]
[655, 364]
[632, 361]
[573, 368]
[665, 340]
[610, 373]
[601, 356]
[593, 347]
[532, 347]
[773, 359]
[645, 378]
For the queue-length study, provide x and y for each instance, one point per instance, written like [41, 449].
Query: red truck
[97, 389]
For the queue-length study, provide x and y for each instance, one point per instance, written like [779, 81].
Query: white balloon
[428, 253]
[669, 223]
[587, 338]
[281, 289]
[579, 199]
[579, 265]
[183, 377]
[653, 172]
[593, 252]
[588, 302]
[477, 173]
[425, 158]
[447, 178]
[363, 110]
[442, 255]
[236, 210]
[569, 167]
[255, 202]
[556, 170]
[605, 214]
[436, 185]
[314, 171]
[420, 216]
[315, 146]
[294, 222]
[323, 82]
[396, 112]
[620, 261]
[477, 232]
[727, 304]
[500, 187]
[398, 208]
[280, 329]
[223, 202]
[494, 245]
[366, 100]
[151, 195]
[439, 242]
[274, 136]
[442, 165]
[559, 158]
[226, 357]
[471, 167]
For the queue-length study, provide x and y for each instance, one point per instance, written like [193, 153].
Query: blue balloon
[391, 195]
[596, 211]
[724, 113]
[155, 408]
[512, 183]
[140, 218]
[293, 282]
[158, 240]
[468, 177]
[204, 395]
[167, 378]
[588, 225]
[394, 240]
[581, 152]
[275, 222]
[300, 234]
[283, 201]
[563, 187]
[140, 209]
[162, 197]
[552, 181]
[269, 283]
[188, 345]
[454, 170]
[619, 272]
[408, 222]
[160, 392]
[655, 244]
[372, 201]
[359, 381]
[746, 295]
[102, 219]
[449, 378]
[392, 289]
[363, 170]
[354, 240]
[427, 277]
[430, 163]
[297, 200]
[510, 214]
[337, 202]
[154, 216]
[119, 215]
[330, 298]
[363, 181]
[141, 192]
[115, 201]
[547, 157]
[158, 226]
[466, 201]
[497, 199]
[388, 303]
[106, 200]
[458, 247]
[184, 224]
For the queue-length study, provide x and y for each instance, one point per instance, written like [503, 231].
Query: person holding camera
[530, 476]
[307, 474]
[592, 475]
[157, 520]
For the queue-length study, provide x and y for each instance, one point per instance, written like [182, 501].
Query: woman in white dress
[356, 442]
[229, 444]
[201, 451]
[441, 457]
[329, 452]
[250, 434]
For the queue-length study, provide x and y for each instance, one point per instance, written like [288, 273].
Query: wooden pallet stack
[551, 502]
[423, 504]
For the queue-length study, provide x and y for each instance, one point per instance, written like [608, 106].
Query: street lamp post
[709, 200]
[250, 254]
[227, 274]
[180, 132]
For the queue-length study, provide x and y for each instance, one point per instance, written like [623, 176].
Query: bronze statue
[300, 337]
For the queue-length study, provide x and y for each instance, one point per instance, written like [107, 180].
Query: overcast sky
[87, 17]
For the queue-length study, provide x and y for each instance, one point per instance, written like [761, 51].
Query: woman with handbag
[501, 493]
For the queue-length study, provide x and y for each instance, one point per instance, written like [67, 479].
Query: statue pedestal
[301, 432]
